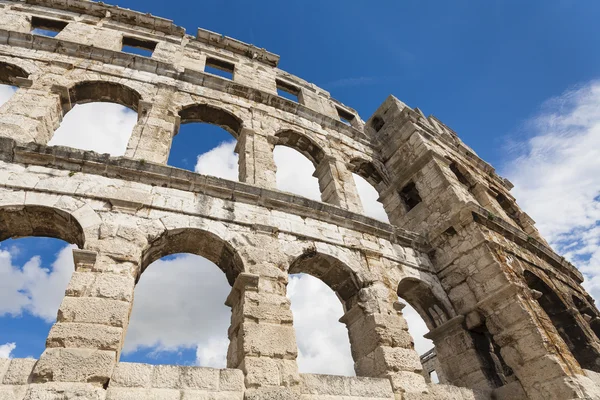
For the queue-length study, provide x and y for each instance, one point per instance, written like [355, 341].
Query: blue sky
[515, 79]
[481, 67]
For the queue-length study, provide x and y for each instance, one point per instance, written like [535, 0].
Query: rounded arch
[585, 351]
[8, 73]
[195, 241]
[211, 115]
[33, 220]
[302, 144]
[421, 297]
[106, 92]
[333, 272]
[368, 170]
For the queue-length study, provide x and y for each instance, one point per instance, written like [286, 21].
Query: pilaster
[337, 184]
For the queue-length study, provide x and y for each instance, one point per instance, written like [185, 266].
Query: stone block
[269, 340]
[93, 336]
[199, 378]
[64, 391]
[8, 392]
[19, 371]
[121, 393]
[92, 310]
[75, 365]
[231, 380]
[165, 376]
[132, 375]
[102, 285]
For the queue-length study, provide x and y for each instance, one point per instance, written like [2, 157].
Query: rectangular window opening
[410, 196]
[377, 123]
[345, 116]
[288, 91]
[138, 46]
[47, 27]
[220, 68]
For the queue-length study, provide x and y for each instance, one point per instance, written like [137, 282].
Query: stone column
[32, 114]
[262, 337]
[457, 355]
[83, 345]
[539, 358]
[256, 162]
[393, 205]
[381, 344]
[337, 184]
[153, 134]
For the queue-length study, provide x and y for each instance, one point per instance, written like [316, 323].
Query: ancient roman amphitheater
[508, 316]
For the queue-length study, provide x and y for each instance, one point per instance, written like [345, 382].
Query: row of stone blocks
[168, 382]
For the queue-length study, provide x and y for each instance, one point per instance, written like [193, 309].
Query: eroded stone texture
[508, 316]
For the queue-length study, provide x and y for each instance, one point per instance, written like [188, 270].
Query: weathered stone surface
[508, 316]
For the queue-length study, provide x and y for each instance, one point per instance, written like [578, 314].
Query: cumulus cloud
[221, 162]
[555, 172]
[6, 350]
[323, 344]
[101, 127]
[179, 303]
[294, 173]
[34, 288]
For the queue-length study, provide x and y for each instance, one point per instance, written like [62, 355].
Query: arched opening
[435, 313]
[559, 315]
[178, 315]
[589, 313]
[8, 85]
[423, 313]
[206, 142]
[98, 116]
[368, 179]
[296, 158]
[36, 264]
[323, 343]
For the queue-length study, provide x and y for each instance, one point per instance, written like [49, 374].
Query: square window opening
[288, 91]
[138, 46]
[220, 68]
[345, 116]
[47, 27]
[410, 196]
[377, 123]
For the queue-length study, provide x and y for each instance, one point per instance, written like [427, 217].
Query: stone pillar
[83, 345]
[393, 205]
[262, 337]
[153, 134]
[32, 114]
[457, 355]
[381, 344]
[257, 166]
[337, 184]
[539, 358]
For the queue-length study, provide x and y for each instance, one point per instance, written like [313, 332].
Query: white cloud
[294, 173]
[6, 91]
[101, 127]
[221, 162]
[368, 197]
[179, 303]
[323, 344]
[417, 328]
[6, 350]
[556, 177]
[34, 288]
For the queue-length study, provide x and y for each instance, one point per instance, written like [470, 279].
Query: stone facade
[508, 316]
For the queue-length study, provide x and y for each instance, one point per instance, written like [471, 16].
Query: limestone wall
[508, 316]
